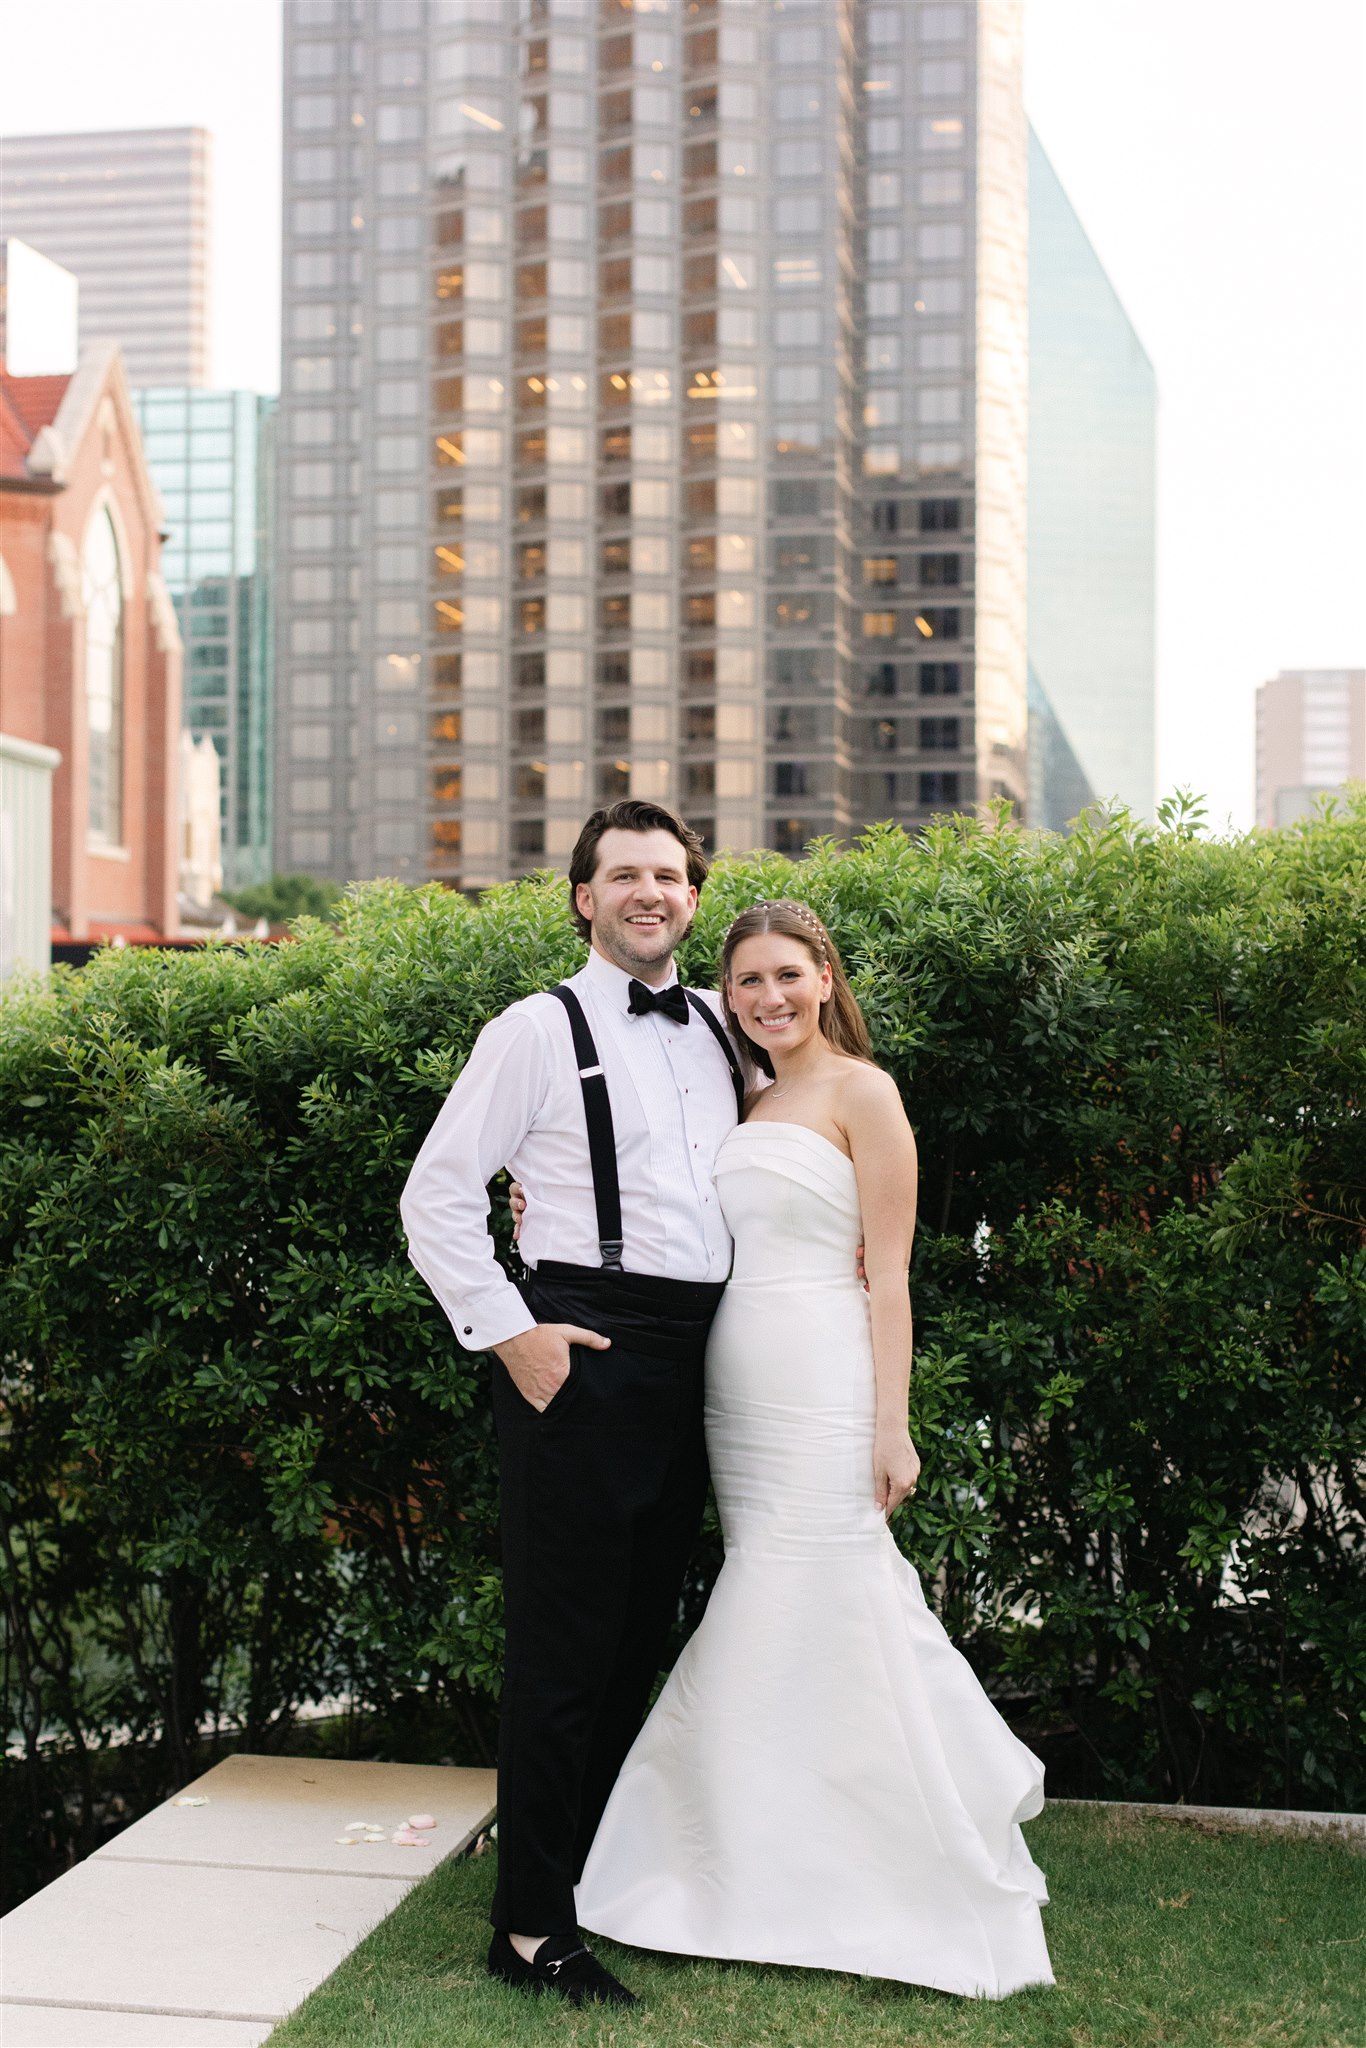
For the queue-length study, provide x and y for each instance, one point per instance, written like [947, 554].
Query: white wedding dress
[823, 1780]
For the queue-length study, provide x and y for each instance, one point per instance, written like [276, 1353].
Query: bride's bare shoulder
[867, 1095]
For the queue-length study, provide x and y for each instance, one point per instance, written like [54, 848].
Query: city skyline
[1167, 198]
[693, 464]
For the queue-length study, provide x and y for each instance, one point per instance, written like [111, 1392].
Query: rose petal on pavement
[421, 1820]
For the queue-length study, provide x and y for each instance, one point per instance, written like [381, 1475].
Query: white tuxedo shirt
[518, 1103]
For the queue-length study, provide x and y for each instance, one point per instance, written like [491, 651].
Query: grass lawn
[1161, 1932]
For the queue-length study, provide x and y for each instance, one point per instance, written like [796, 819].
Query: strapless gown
[822, 1781]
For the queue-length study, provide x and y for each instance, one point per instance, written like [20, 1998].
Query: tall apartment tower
[654, 421]
[1311, 739]
[128, 212]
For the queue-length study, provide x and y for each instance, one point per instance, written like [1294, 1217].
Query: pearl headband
[808, 917]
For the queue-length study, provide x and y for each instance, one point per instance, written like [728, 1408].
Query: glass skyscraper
[1092, 463]
[653, 421]
[211, 454]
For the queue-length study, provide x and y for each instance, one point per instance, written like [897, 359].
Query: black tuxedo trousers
[601, 1499]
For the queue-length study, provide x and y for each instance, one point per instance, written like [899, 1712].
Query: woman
[822, 1781]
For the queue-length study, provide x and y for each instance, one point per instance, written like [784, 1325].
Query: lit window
[941, 132]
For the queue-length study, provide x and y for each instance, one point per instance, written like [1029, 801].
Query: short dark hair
[631, 814]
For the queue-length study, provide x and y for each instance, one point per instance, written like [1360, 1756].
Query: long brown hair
[841, 1018]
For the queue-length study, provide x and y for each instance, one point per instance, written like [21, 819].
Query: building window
[940, 515]
[941, 131]
[881, 680]
[939, 405]
[790, 835]
[103, 594]
[879, 568]
[935, 623]
[797, 383]
[941, 572]
[797, 160]
[879, 625]
[939, 242]
[941, 188]
[797, 327]
[939, 352]
[939, 786]
[941, 678]
[314, 110]
[939, 736]
[789, 778]
[882, 735]
[942, 78]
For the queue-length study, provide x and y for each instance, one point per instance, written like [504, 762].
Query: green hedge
[245, 1465]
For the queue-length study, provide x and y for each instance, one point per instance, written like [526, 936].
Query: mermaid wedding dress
[822, 1781]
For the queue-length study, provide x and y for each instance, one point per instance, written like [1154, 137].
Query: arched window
[104, 679]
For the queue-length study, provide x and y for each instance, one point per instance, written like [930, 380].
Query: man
[608, 1098]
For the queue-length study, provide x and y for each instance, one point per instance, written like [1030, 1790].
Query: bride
[822, 1781]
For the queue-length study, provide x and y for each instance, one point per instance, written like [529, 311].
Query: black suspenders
[597, 1110]
[602, 1142]
[722, 1037]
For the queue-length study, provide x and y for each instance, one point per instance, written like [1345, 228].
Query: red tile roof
[27, 404]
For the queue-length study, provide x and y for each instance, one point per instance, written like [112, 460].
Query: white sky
[1212, 149]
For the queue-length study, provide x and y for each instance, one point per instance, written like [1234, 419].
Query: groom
[608, 1097]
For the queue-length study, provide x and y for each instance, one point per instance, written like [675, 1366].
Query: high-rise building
[128, 212]
[1092, 458]
[654, 420]
[211, 454]
[1311, 739]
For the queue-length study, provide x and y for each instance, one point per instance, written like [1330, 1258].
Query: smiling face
[776, 990]
[639, 901]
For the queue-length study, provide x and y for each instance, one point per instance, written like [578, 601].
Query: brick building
[90, 653]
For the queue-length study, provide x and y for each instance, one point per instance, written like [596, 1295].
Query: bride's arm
[882, 1146]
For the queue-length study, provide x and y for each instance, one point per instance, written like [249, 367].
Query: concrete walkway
[1277, 1819]
[206, 1922]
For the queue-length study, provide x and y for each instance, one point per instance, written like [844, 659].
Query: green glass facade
[1092, 524]
[211, 454]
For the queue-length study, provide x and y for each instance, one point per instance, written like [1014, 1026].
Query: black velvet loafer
[564, 1966]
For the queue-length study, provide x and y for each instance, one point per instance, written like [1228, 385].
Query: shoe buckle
[556, 1963]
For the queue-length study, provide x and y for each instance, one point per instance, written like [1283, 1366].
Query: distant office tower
[654, 420]
[1092, 524]
[211, 456]
[128, 212]
[1311, 739]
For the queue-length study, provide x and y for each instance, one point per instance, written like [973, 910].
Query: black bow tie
[671, 1001]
